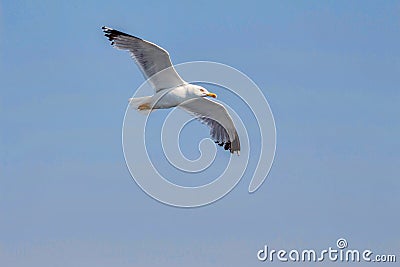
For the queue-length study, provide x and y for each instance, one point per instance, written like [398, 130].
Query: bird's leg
[144, 106]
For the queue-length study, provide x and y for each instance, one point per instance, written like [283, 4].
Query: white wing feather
[150, 58]
[215, 116]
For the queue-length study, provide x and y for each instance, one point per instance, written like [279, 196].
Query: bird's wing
[215, 116]
[150, 58]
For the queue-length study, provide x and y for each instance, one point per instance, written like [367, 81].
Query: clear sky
[329, 69]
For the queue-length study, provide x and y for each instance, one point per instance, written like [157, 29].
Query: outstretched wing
[215, 116]
[150, 58]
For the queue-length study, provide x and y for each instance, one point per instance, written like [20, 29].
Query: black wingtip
[111, 34]
[106, 29]
[227, 146]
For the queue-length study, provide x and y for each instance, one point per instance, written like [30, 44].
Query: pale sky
[329, 70]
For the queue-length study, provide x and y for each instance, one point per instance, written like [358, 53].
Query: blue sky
[330, 71]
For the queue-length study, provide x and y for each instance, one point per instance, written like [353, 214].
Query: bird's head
[202, 92]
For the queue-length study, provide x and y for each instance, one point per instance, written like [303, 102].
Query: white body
[167, 98]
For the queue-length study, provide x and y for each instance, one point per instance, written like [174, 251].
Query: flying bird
[172, 91]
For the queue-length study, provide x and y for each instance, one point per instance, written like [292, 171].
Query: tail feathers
[141, 104]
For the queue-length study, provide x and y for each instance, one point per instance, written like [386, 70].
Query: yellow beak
[212, 95]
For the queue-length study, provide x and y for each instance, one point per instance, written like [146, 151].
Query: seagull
[172, 91]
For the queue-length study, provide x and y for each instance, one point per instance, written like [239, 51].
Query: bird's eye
[202, 90]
